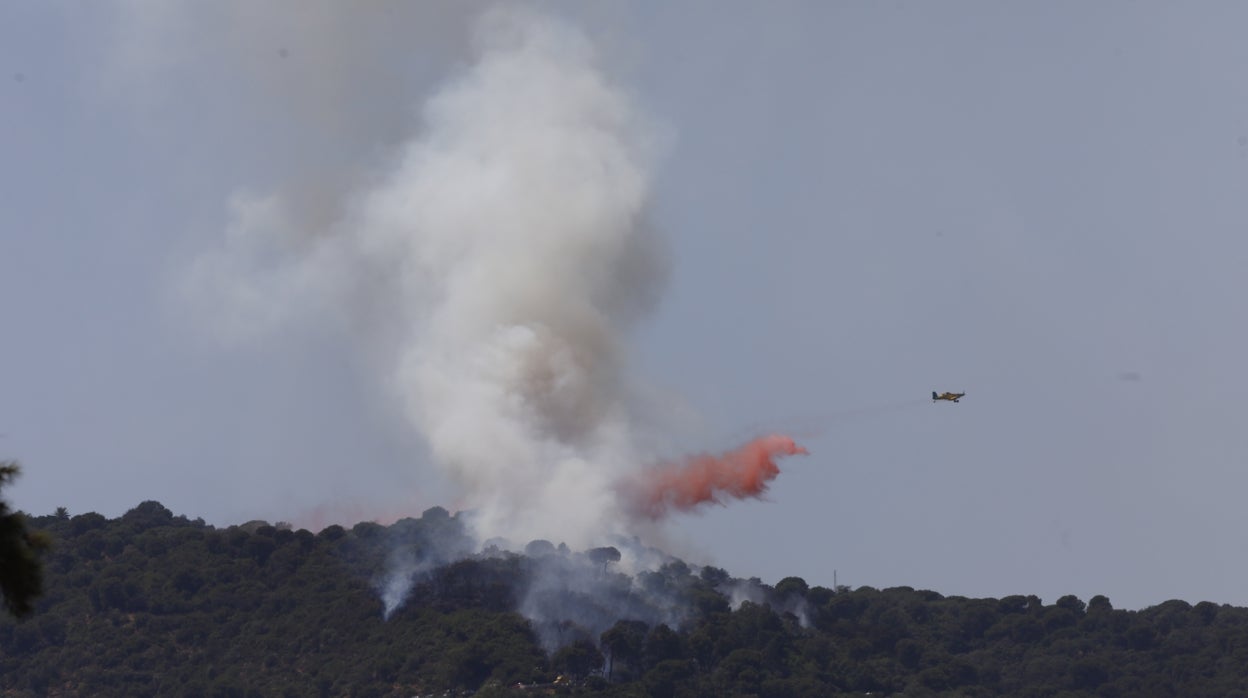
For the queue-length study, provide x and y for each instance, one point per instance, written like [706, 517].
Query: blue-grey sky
[1041, 204]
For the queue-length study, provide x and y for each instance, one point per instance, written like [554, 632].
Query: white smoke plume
[415, 548]
[402, 568]
[495, 261]
[515, 224]
[754, 591]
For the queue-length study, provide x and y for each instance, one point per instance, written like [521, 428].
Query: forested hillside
[156, 604]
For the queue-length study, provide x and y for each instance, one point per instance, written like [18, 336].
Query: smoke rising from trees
[506, 241]
[490, 256]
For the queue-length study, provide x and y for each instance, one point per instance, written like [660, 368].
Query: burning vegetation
[149, 600]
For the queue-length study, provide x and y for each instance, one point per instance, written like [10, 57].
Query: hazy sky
[1042, 204]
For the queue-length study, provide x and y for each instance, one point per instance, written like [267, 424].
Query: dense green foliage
[153, 604]
[21, 574]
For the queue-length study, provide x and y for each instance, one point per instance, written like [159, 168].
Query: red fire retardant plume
[738, 474]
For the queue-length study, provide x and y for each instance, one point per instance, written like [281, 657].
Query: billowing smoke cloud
[519, 217]
[494, 264]
[493, 268]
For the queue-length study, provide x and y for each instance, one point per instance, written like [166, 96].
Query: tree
[623, 642]
[603, 556]
[21, 571]
[578, 659]
[539, 548]
[661, 644]
[792, 585]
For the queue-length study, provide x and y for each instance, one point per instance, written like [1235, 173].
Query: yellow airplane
[951, 397]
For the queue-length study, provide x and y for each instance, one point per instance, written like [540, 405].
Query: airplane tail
[933, 394]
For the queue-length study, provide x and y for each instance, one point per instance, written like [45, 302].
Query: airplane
[951, 397]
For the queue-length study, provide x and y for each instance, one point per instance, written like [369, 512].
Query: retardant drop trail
[701, 479]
